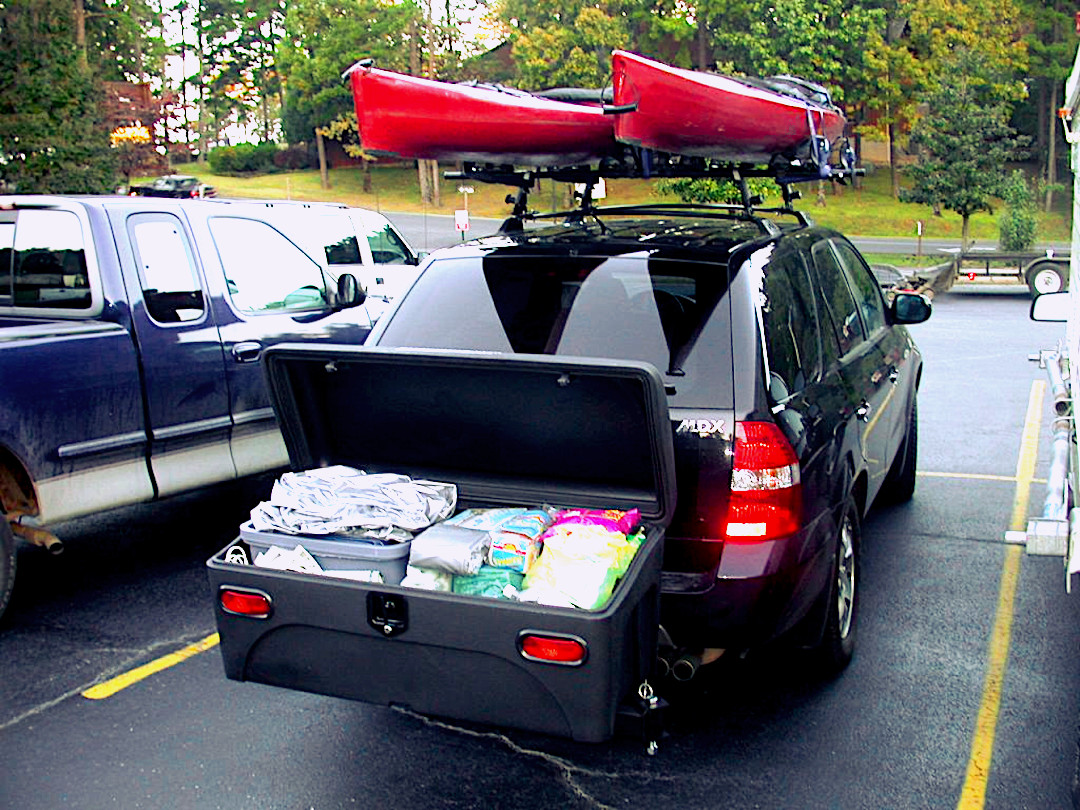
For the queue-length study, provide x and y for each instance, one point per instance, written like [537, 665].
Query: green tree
[565, 43]
[1051, 42]
[917, 49]
[52, 135]
[323, 38]
[964, 142]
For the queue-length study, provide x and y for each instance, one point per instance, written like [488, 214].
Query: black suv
[792, 390]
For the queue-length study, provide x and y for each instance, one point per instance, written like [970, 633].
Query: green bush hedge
[244, 158]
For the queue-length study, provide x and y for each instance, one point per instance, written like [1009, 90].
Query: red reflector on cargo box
[565, 650]
[245, 603]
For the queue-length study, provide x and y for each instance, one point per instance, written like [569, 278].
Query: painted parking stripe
[114, 685]
[973, 793]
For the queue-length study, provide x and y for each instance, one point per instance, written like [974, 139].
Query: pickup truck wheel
[899, 485]
[1045, 277]
[837, 644]
[7, 562]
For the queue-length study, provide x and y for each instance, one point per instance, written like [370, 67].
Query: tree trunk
[965, 232]
[79, 12]
[324, 175]
[702, 42]
[424, 177]
[1051, 147]
[890, 138]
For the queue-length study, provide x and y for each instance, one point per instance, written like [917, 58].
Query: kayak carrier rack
[648, 164]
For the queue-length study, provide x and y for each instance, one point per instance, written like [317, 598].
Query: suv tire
[837, 646]
[7, 562]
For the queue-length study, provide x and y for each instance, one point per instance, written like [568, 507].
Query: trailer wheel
[7, 562]
[837, 645]
[1045, 277]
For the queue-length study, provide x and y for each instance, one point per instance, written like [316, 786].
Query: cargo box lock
[387, 613]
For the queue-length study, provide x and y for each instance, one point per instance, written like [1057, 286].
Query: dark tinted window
[7, 244]
[866, 289]
[47, 263]
[836, 298]
[791, 331]
[637, 307]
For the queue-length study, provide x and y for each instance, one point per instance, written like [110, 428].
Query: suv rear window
[672, 313]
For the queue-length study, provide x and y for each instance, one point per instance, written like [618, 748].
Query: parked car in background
[791, 386]
[352, 240]
[177, 186]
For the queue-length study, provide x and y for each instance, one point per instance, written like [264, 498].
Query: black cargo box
[508, 431]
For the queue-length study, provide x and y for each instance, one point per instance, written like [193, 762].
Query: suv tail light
[766, 496]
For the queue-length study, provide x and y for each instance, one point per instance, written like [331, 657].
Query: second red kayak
[417, 118]
[689, 112]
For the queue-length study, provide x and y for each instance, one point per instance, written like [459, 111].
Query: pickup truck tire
[1045, 277]
[7, 563]
[899, 485]
[837, 644]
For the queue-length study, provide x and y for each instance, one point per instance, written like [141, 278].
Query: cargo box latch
[387, 613]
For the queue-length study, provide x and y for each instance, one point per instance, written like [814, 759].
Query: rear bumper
[758, 592]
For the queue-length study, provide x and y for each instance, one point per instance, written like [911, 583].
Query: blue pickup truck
[130, 334]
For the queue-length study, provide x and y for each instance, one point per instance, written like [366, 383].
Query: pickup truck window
[265, 271]
[170, 284]
[387, 247]
[42, 260]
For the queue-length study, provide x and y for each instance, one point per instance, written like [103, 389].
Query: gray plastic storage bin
[336, 553]
[507, 431]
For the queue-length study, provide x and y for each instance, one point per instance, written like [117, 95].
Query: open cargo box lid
[507, 429]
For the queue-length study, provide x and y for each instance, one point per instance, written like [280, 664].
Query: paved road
[895, 731]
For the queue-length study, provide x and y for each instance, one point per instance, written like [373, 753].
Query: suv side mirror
[1051, 307]
[909, 307]
[349, 292]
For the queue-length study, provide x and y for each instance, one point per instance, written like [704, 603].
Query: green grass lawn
[869, 210]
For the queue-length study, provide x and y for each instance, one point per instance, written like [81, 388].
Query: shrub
[709, 190]
[1018, 221]
[244, 158]
[296, 156]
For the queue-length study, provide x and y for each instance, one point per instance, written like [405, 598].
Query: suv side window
[265, 272]
[170, 283]
[836, 298]
[863, 284]
[791, 327]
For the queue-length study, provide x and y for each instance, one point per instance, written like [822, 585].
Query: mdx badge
[702, 427]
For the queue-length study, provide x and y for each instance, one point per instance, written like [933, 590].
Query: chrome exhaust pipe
[39, 537]
[685, 667]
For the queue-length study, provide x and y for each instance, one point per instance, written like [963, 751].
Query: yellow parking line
[1007, 479]
[973, 793]
[114, 685]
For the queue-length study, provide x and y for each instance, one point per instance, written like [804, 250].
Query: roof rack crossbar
[811, 165]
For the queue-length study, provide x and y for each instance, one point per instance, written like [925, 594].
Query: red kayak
[689, 112]
[416, 118]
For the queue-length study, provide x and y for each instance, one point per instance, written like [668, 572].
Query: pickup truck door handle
[894, 374]
[863, 411]
[247, 351]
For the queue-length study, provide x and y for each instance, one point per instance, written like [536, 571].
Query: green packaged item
[496, 583]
